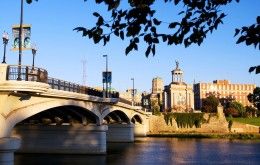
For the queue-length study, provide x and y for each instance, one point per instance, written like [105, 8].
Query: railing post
[58, 84]
[7, 72]
[52, 83]
[26, 73]
[38, 75]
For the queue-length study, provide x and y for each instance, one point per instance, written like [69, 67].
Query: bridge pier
[140, 130]
[77, 139]
[8, 146]
[120, 133]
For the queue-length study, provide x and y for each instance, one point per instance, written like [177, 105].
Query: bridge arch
[63, 115]
[136, 119]
[20, 114]
[116, 116]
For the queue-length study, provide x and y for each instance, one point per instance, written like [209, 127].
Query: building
[178, 96]
[222, 89]
[128, 95]
[157, 85]
[157, 89]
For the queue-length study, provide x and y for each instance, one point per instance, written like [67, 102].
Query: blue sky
[61, 49]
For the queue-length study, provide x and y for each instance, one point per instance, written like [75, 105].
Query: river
[158, 151]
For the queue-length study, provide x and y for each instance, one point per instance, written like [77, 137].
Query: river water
[158, 151]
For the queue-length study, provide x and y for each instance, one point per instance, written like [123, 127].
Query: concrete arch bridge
[47, 115]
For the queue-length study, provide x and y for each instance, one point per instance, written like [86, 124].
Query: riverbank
[242, 136]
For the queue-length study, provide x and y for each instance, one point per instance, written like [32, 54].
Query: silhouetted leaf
[156, 22]
[122, 35]
[241, 39]
[180, 12]
[153, 49]
[237, 31]
[96, 14]
[251, 69]
[29, 1]
[153, 29]
[116, 32]
[96, 38]
[257, 70]
[258, 19]
[176, 2]
[127, 50]
[148, 50]
[173, 25]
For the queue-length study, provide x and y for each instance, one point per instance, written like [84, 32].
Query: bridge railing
[73, 87]
[27, 73]
[125, 101]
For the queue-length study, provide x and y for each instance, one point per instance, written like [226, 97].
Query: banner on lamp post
[26, 37]
[107, 77]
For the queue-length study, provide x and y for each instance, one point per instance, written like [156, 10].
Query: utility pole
[84, 72]
[133, 90]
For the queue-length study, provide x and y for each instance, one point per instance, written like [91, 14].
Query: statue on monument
[177, 64]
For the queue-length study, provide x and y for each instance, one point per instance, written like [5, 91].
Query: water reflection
[166, 151]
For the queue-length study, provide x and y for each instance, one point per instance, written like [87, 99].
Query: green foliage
[210, 104]
[238, 107]
[230, 123]
[185, 120]
[252, 121]
[137, 19]
[250, 111]
[255, 97]
[231, 112]
[155, 107]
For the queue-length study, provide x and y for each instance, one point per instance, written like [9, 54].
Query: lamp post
[133, 94]
[5, 42]
[106, 73]
[20, 42]
[34, 50]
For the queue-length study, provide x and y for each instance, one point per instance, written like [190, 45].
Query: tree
[209, 104]
[231, 112]
[255, 97]
[238, 107]
[251, 36]
[250, 111]
[139, 21]
[155, 107]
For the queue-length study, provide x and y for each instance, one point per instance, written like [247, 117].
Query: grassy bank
[243, 136]
[252, 121]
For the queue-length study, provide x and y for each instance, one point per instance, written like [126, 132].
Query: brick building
[222, 89]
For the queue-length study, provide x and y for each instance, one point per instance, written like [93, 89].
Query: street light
[34, 50]
[106, 74]
[133, 93]
[5, 42]
[20, 42]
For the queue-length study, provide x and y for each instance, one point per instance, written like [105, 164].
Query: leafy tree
[250, 111]
[209, 104]
[155, 107]
[225, 102]
[238, 107]
[251, 36]
[231, 112]
[255, 97]
[139, 21]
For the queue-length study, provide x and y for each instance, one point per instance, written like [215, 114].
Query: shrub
[231, 112]
[185, 120]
